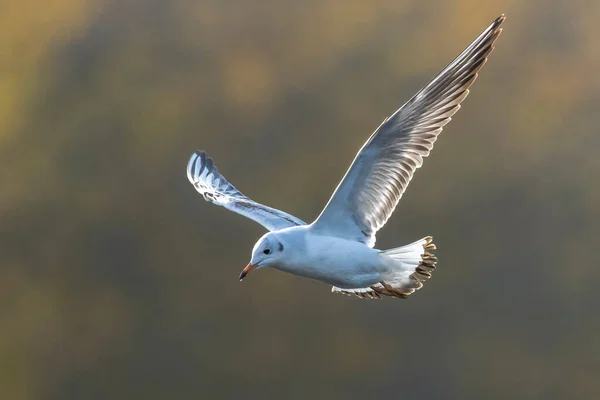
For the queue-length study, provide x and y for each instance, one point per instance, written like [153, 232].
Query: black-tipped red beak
[249, 268]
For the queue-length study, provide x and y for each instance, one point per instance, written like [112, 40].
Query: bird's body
[336, 261]
[337, 248]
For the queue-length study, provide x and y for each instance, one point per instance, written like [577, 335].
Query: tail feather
[411, 266]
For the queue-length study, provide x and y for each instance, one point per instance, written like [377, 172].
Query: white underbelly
[341, 263]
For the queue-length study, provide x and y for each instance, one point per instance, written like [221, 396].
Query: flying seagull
[337, 248]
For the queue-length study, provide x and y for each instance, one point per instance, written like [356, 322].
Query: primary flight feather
[337, 247]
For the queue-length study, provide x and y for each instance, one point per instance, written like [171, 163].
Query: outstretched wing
[215, 188]
[384, 166]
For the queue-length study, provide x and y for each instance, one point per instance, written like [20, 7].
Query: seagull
[337, 248]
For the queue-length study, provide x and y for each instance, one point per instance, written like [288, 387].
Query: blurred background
[118, 281]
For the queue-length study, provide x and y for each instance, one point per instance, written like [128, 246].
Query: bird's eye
[267, 251]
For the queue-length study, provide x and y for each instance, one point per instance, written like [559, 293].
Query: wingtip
[197, 163]
[190, 166]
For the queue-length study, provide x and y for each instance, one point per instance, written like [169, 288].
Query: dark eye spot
[267, 251]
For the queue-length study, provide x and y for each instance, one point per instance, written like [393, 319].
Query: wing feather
[213, 186]
[379, 175]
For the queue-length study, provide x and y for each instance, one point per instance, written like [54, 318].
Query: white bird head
[267, 252]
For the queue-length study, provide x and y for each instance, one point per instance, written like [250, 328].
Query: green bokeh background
[117, 281]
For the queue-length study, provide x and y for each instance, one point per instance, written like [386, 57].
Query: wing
[215, 188]
[384, 166]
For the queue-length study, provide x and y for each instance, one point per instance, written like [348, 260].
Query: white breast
[339, 262]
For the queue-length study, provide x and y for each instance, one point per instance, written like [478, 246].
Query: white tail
[410, 266]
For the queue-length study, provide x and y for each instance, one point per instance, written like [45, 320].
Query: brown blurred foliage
[119, 282]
